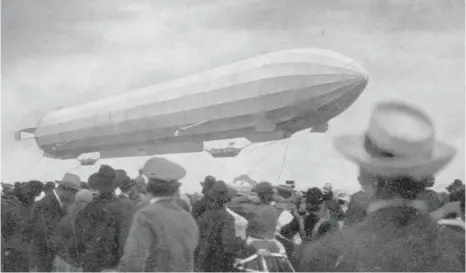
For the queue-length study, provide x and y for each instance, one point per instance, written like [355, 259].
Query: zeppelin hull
[226, 103]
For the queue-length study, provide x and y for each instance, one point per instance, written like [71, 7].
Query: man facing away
[48, 213]
[163, 236]
[398, 155]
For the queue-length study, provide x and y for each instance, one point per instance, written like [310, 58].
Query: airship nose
[357, 70]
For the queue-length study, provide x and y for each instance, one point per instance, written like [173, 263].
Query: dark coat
[47, 215]
[163, 237]
[357, 208]
[218, 245]
[101, 233]
[382, 243]
[199, 207]
[15, 238]
[310, 220]
[183, 204]
[335, 210]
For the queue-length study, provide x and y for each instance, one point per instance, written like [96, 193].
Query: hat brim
[69, 185]
[352, 147]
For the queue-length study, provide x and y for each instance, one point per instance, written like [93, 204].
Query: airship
[266, 98]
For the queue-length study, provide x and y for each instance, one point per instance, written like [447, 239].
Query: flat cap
[163, 169]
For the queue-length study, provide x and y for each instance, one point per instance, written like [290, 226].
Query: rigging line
[265, 145]
[262, 158]
[284, 158]
[40, 158]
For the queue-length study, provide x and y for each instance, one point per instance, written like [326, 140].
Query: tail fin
[19, 135]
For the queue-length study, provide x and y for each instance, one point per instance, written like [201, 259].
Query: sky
[60, 53]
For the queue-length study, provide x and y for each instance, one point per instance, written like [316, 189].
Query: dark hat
[92, 181]
[126, 184]
[84, 185]
[263, 188]
[314, 196]
[220, 192]
[105, 180]
[49, 186]
[457, 184]
[209, 181]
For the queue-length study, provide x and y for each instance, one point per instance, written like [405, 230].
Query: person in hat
[398, 154]
[359, 202]
[64, 239]
[333, 205]
[49, 187]
[48, 212]
[310, 224]
[161, 229]
[101, 225]
[141, 182]
[217, 255]
[16, 212]
[201, 206]
[456, 185]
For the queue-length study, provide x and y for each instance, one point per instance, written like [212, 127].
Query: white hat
[400, 141]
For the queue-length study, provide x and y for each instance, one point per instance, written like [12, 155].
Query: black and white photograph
[233, 135]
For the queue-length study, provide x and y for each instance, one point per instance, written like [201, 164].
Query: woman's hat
[400, 141]
[70, 181]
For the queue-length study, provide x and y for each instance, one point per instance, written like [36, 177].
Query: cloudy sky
[58, 53]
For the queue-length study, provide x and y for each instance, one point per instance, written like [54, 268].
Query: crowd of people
[394, 223]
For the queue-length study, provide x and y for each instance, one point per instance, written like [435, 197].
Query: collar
[159, 199]
[58, 199]
[124, 194]
[397, 202]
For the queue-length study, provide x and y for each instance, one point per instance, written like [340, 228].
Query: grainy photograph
[232, 135]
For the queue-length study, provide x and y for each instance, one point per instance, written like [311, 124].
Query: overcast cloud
[58, 53]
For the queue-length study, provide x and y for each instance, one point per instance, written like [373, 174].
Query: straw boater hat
[71, 181]
[400, 141]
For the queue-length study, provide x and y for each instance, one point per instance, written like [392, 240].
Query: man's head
[141, 171]
[105, 180]
[126, 184]
[393, 187]
[455, 186]
[314, 200]
[208, 183]
[265, 191]
[67, 194]
[27, 192]
[49, 187]
[67, 188]
[220, 193]
[163, 176]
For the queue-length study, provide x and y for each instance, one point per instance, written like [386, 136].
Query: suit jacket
[155, 245]
[218, 246]
[47, 215]
[392, 239]
[357, 207]
[101, 230]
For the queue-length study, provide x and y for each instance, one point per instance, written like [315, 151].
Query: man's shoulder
[46, 201]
